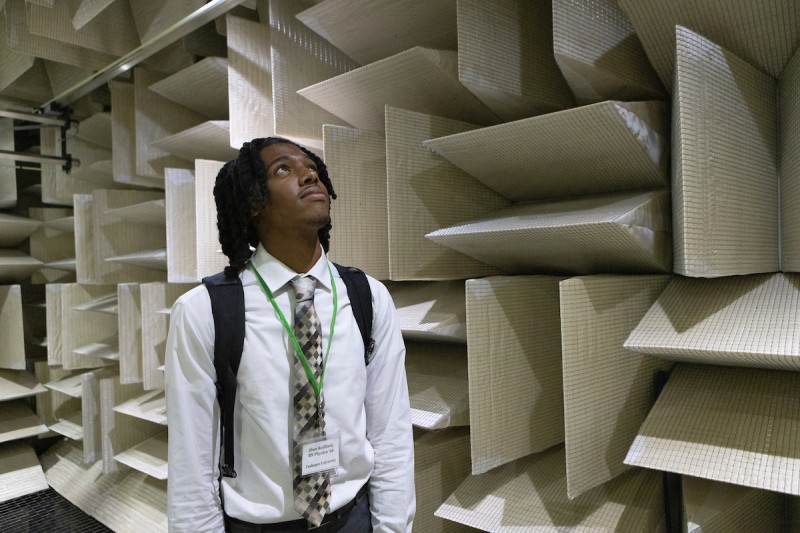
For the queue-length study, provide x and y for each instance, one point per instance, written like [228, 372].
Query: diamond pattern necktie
[312, 493]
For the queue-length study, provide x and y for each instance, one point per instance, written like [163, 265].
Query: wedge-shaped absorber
[21, 40]
[20, 471]
[124, 501]
[107, 349]
[604, 147]
[54, 244]
[12, 355]
[136, 503]
[148, 456]
[765, 34]
[151, 213]
[112, 31]
[156, 298]
[30, 88]
[96, 129]
[130, 332]
[108, 247]
[737, 320]
[181, 222]
[789, 134]
[356, 162]
[17, 266]
[87, 10]
[209, 258]
[57, 409]
[90, 414]
[599, 53]
[118, 432]
[18, 421]
[419, 79]
[83, 485]
[505, 57]
[14, 64]
[441, 463]
[67, 383]
[152, 259]
[63, 77]
[531, 495]
[64, 223]
[249, 81]
[69, 328]
[209, 140]
[16, 384]
[612, 233]
[14, 230]
[8, 172]
[34, 319]
[70, 425]
[153, 18]
[431, 310]
[386, 28]
[123, 137]
[208, 83]
[713, 506]
[300, 58]
[424, 193]
[724, 162]
[515, 376]
[437, 384]
[736, 425]
[149, 406]
[156, 118]
[607, 390]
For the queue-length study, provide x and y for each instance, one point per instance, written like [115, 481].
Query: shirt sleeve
[388, 415]
[193, 500]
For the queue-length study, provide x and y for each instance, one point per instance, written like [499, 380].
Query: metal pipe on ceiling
[207, 13]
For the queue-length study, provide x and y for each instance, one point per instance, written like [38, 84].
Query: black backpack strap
[227, 306]
[361, 300]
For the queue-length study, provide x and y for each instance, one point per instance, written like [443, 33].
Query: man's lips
[313, 193]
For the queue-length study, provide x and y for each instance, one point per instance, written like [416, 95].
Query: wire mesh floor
[46, 511]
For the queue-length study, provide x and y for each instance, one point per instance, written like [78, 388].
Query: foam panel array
[564, 199]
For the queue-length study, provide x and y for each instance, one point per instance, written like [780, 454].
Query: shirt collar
[277, 275]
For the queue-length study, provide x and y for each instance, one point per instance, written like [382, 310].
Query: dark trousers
[357, 521]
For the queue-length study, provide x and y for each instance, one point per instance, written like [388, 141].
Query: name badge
[321, 455]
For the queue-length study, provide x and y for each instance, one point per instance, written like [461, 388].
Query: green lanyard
[316, 386]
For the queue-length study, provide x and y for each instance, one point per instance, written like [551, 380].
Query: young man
[303, 385]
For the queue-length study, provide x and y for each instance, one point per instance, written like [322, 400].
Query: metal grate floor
[46, 511]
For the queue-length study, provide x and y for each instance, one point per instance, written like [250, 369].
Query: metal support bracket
[53, 116]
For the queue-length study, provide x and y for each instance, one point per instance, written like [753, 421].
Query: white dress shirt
[367, 405]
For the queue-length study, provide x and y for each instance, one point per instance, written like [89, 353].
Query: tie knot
[304, 287]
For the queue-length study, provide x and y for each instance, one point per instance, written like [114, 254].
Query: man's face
[297, 198]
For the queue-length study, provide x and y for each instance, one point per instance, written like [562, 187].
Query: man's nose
[310, 176]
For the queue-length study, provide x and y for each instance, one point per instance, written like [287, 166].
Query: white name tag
[321, 455]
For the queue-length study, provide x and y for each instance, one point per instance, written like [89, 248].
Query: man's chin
[322, 221]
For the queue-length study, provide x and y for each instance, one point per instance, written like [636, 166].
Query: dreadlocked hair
[240, 188]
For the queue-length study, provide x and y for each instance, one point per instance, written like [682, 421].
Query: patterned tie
[312, 493]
